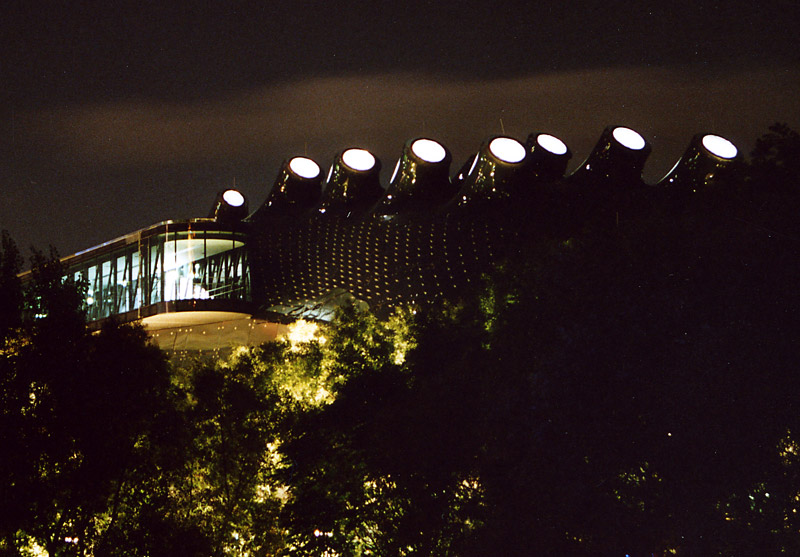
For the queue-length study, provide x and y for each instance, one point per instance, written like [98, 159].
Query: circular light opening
[358, 159]
[233, 198]
[303, 167]
[507, 149]
[428, 150]
[720, 147]
[629, 138]
[551, 143]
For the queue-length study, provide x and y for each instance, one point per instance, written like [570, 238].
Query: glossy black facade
[299, 266]
[548, 157]
[421, 179]
[416, 243]
[293, 192]
[313, 245]
[352, 184]
[617, 160]
[705, 162]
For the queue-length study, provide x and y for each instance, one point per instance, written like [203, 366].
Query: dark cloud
[381, 111]
[178, 50]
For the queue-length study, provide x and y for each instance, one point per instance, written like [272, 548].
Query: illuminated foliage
[80, 415]
[618, 387]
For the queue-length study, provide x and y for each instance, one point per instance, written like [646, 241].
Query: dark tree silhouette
[81, 415]
[774, 158]
[625, 385]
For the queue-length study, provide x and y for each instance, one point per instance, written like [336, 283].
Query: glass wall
[167, 263]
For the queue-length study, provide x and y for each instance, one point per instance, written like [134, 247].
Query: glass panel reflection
[165, 267]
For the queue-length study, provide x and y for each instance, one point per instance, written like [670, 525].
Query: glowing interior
[629, 138]
[303, 167]
[179, 257]
[358, 159]
[507, 149]
[233, 198]
[165, 267]
[552, 144]
[428, 150]
[720, 147]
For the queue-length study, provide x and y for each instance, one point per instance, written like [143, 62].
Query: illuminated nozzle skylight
[358, 159]
[629, 138]
[720, 147]
[551, 143]
[507, 149]
[303, 167]
[233, 198]
[428, 150]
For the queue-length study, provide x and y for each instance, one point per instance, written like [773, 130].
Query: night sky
[116, 116]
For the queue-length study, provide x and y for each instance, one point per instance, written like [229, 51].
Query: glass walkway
[195, 265]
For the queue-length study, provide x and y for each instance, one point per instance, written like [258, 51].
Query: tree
[624, 385]
[10, 288]
[774, 158]
[80, 415]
